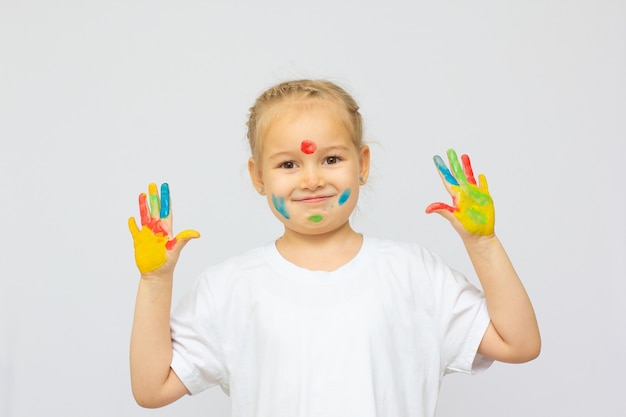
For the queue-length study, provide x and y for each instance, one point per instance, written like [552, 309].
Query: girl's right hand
[156, 250]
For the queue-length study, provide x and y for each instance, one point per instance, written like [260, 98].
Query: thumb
[182, 238]
[440, 208]
[444, 210]
[132, 226]
[445, 214]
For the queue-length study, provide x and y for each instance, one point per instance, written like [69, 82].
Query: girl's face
[309, 169]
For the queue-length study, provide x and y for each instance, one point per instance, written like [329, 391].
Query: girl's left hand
[472, 208]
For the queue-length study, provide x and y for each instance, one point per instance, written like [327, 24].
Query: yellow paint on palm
[472, 203]
[153, 241]
[474, 207]
[150, 251]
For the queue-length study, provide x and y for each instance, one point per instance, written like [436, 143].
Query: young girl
[324, 321]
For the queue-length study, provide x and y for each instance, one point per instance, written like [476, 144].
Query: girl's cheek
[280, 206]
[344, 196]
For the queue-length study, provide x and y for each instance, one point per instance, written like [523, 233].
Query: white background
[99, 98]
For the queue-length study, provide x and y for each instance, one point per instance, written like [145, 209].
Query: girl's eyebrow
[334, 148]
[281, 155]
[290, 154]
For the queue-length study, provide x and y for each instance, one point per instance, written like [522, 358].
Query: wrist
[156, 277]
[480, 242]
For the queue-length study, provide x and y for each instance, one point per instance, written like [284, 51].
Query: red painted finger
[439, 206]
[143, 209]
[467, 167]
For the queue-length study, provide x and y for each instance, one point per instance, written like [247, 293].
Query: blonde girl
[324, 321]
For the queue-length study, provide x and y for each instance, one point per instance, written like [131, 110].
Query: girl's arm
[153, 382]
[513, 334]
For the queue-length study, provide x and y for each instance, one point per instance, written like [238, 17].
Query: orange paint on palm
[154, 224]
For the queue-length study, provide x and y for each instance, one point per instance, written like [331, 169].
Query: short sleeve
[462, 320]
[195, 339]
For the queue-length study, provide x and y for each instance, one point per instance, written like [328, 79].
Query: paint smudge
[308, 147]
[279, 205]
[344, 197]
[152, 242]
[472, 204]
[155, 206]
[316, 218]
[165, 200]
[150, 252]
[447, 175]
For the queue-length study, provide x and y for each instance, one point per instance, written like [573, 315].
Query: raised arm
[513, 334]
[153, 382]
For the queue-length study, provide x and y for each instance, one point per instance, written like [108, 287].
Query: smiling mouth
[313, 199]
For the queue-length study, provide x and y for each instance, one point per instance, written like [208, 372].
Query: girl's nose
[312, 180]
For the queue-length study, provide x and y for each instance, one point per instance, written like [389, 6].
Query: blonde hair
[304, 93]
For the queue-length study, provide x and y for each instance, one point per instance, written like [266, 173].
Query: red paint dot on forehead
[308, 147]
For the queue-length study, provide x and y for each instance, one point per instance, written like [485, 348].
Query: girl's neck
[323, 252]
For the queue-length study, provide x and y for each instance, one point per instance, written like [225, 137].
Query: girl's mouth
[313, 199]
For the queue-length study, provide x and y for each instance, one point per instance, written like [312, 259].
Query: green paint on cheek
[316, 218]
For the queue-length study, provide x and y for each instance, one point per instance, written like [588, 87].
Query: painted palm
[472, 204]
[153, 241]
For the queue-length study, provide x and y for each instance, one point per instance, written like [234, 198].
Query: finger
[143, 209]
[132, 226]
[181, 239]
[165, 200]
[155, 206]
[436, 207]
[467, 167]
[482, 183]
[188, 234]
[455, 166]
[166, 213]
[444, 171]
[443, 210]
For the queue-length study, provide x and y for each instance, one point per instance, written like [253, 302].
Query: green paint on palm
[476, 216]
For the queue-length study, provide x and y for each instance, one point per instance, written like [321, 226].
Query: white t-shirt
[373, 338]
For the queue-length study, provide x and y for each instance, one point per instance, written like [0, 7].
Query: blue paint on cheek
[279, 205]
[344, 197]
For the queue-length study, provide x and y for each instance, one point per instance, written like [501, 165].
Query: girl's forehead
[306, 130]
[308, 146]
[288, 115]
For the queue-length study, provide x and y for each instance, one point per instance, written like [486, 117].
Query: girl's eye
[287, 165]
[332, 160]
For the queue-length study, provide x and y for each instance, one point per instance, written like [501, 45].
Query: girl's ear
[255, 175]
[364, 163]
